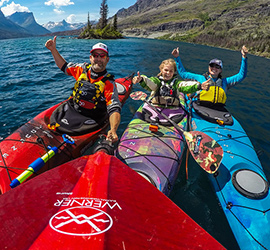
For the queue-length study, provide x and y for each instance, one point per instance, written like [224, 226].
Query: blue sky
[72, 11]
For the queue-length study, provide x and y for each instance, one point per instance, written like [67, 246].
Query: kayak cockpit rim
[147, 177]
[250, 184]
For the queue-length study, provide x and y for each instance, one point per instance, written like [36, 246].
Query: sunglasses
[213, 65]
[96, 55]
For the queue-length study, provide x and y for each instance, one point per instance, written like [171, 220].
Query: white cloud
[12, 8]
[59, 3]
[2, 2]
[71, 18]
[58, 11]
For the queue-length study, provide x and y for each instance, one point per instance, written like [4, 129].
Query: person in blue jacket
[216, 95]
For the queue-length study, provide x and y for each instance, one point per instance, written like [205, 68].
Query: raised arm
[182, 71]
[145, 82]
[240, 76]
[51, 45]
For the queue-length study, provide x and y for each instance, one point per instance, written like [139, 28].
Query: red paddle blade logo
[81, 221]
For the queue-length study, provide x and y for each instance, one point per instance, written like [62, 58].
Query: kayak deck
[155, 155]
[95, 202]
[240, 184]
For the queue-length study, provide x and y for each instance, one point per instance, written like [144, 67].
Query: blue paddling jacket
[218, 86]
[226, 83]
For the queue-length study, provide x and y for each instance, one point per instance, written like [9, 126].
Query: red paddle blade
[205, 150]
[95, 202]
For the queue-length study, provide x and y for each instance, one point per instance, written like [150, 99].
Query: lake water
[30, 82]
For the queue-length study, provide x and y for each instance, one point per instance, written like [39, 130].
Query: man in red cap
[95, 94]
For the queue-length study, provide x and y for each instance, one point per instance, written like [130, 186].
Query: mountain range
[27, 21]
[219, 23]
[23, 24]
[62, 26]
[9, 29]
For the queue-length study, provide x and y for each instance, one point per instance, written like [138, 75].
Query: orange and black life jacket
[87, 95]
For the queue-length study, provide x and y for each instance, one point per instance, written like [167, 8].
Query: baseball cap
[101, 46]
[217, 62]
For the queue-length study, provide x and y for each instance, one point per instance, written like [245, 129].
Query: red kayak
[95, 202]
[31, 141]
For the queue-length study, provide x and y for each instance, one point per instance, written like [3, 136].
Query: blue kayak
[240, 183]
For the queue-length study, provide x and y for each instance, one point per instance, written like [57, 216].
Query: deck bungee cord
[24, 145]
[152, 146]
[156, 136]
[40, 162]
[5, 166]
[39, 142]
[12, 169]
[197, 141]
[153, 135]
[240, 183]
[229, 137]
[145, 157]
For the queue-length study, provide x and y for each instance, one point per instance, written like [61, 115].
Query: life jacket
[87, 95]
[215, 96]
[86, 110]
[166, 94]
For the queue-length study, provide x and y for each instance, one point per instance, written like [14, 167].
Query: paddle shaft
[165, 116]
[179, 129]
[204, 149]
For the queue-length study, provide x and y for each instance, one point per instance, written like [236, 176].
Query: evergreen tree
[115, 22]
[104, 10]
[89, 26]
[103, 30]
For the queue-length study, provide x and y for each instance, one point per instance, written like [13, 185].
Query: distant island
[102, 30]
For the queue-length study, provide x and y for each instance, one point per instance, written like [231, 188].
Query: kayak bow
[240, 183]
[95, 202]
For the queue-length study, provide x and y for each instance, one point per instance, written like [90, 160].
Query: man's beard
[98, 67]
